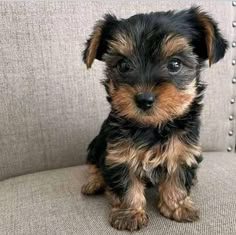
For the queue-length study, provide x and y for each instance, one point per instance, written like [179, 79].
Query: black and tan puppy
[153, 63]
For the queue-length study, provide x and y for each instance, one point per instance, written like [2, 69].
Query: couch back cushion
[51, 106]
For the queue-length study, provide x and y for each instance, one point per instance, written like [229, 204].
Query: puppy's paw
[128, 219]
[184, 211]
[92, 187]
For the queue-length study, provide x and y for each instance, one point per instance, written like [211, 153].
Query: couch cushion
[50, 203]
[51, 106]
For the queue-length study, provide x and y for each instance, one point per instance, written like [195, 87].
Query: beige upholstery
[51, 106]
[50, 203]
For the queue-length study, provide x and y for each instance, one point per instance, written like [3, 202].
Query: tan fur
[174, 202]
[122, 44]
[94, 44]
[141, 160]
[171, 192]
[173, 44]
[126, 153]
[209, 31]
[134, 197]
[128, 219]
[119, 154]
[130, 212]
[171, 102]
[176, 153]
[95, 182]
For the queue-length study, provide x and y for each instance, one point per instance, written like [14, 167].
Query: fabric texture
[50, 203]
[51, 106]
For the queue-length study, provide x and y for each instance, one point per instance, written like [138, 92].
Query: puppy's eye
[174, 66]
[124, 67]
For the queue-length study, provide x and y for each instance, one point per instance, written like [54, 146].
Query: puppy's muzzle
[145, 100]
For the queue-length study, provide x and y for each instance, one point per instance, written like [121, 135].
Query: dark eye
[174, 66]
[124, 66]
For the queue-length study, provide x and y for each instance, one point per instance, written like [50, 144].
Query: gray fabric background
[50, 203]
[51, 106]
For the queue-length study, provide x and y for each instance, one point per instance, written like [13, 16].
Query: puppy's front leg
[128, 211]
[180, 159]
[174, 201]
[125, 188]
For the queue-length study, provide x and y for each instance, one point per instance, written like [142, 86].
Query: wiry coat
[158, 146]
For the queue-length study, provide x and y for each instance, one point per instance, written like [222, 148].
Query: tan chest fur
[143, 160]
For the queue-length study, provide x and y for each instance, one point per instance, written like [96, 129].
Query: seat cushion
[50, 202]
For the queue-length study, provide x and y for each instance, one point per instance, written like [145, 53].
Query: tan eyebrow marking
[173, 44]
[122, 44]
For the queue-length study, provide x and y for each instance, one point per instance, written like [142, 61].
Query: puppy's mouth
[145, 113]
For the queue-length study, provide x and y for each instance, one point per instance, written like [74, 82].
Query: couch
[51, 106]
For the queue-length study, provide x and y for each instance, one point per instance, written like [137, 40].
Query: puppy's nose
[145, 100]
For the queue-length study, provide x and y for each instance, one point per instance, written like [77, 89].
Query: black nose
[145, 100]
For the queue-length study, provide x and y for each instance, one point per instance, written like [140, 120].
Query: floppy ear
[97, 44]
[209, 42]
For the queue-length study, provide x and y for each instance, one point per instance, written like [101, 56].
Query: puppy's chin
[170, 103]
[154, 117]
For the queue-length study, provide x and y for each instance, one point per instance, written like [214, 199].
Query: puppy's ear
[97, 44]
[208, 42]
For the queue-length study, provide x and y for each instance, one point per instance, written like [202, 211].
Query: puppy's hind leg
[95, 184]
[96, 150]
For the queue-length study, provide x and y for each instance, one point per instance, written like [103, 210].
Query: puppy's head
[153, 61]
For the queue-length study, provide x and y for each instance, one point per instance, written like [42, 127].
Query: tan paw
[128, 219]
[184, 211]
[92, 187]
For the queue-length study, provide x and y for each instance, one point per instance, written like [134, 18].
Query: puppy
[151, 136]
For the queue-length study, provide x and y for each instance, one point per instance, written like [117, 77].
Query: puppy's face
[153, 61]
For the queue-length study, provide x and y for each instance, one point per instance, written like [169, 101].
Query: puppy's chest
[148, 168]
[149, 162]
[143, 161]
